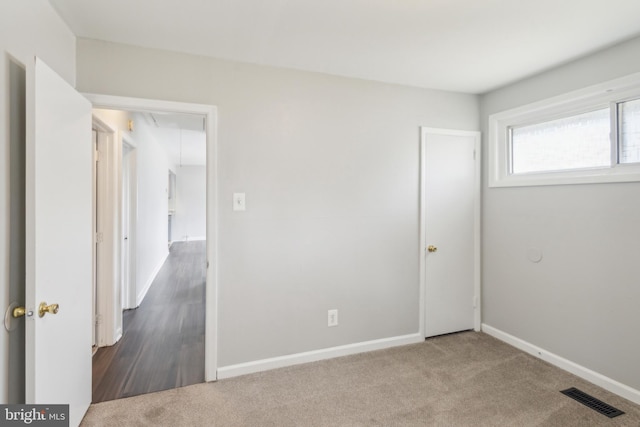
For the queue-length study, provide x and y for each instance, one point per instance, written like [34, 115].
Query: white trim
[423, 237]
[316, 355]
[109, 307]
[211, 113]
[190, 239]
[146, 105]
[602, 95]
[211, 320]
[477, 283]
[152, 277]
[567, 365]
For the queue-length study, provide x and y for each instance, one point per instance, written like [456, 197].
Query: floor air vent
[592, 402]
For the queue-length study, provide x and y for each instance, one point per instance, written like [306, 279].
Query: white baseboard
[150, 280]
[313, 356]
[567, 365]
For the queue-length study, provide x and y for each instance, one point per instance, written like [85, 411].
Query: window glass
[575, 142]
[629, 131]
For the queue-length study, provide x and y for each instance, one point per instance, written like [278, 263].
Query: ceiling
[468, 46]
[182, 136]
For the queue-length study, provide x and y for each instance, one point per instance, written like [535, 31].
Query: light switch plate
[239, 203]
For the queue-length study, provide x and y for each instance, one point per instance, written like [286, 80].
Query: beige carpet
[467, 379]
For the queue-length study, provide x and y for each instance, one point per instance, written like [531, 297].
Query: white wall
[329, 166]
[152, 232]
[26, 29]
[152, 168]
[581, 301]
[191, 203]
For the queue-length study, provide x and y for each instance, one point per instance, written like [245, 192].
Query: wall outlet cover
[332, 317]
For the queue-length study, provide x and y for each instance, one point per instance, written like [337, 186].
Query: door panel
[450, 221]
[59, 242]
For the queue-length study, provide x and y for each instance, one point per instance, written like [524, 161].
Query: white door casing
[450, 223]
[108, 227]
[58, 242]
[94, 210]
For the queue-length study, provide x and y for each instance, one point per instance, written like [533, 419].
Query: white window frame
[598, 96]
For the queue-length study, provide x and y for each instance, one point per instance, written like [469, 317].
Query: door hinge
[474, 154]
[98, 319]
[99, 237]
[97, 155]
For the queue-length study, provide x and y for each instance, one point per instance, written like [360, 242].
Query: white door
[59, 242]
[450, 202]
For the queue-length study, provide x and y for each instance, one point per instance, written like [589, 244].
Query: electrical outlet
[332, 317]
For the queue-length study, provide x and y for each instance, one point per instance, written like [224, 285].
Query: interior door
[58, 243]
[451, 209]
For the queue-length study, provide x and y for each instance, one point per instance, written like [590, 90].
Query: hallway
[163, 342]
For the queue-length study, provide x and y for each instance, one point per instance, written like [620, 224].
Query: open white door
[58, 242]
[451, 230]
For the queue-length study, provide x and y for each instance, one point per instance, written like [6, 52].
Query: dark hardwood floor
[162, 346]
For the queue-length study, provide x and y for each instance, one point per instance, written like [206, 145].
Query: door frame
[107, 246]
[477, 286]
[211, 119]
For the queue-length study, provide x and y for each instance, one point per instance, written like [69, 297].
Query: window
[576, 142]
[629, 131]
[587, 136]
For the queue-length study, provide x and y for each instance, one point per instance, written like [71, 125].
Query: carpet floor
[465, 379]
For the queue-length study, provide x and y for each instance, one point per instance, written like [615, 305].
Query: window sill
[620, 173]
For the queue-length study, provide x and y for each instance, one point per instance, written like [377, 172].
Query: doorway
[130, 151]
[59, 238]
[450, 231]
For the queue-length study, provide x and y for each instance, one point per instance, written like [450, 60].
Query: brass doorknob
[44, 309]
[19, 312]
[432, 248]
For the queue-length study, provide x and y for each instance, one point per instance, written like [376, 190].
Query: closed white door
[58, 243]
[450, 202]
